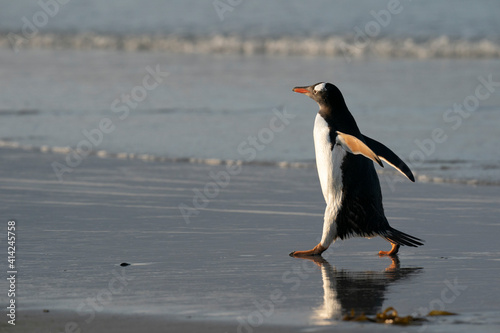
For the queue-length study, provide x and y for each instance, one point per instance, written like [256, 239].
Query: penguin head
[323, 93]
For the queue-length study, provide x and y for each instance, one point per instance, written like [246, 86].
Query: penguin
[350, 185]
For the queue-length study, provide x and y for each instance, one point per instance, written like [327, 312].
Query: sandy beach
[224, 266]
[157, 168]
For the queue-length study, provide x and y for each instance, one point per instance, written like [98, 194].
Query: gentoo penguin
[349, 182]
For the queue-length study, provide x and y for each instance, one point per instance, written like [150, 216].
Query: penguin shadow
[361, 291]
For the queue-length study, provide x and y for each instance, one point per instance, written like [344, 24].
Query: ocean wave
[335, 46]
[391, 176]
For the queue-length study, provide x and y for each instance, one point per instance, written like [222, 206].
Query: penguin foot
[318, 249]
[392, 252]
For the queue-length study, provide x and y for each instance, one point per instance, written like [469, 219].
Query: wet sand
[226, 268]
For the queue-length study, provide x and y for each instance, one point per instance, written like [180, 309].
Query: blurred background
[193, 80]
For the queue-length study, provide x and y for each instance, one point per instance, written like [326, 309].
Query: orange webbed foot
[394, 250]
[318, 249]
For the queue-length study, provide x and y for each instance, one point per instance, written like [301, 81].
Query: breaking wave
[335, 46]
[391, 176]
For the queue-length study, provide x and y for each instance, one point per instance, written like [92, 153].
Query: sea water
[211, 81]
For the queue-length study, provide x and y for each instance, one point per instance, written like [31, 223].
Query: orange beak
[300, 90]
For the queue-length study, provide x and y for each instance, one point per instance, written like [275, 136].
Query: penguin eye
[319, 88]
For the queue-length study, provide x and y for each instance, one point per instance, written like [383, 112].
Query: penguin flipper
[355, 146]
[389, 156]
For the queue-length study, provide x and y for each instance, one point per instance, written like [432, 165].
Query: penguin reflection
[363, 291]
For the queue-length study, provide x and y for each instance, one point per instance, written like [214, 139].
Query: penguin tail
[400, 238]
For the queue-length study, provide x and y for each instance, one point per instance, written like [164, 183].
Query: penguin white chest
[328, 161]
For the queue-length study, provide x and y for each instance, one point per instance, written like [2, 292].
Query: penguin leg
[316, 251]
[329, 235]
[393, 251]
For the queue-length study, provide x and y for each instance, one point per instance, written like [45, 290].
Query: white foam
[61, 150]
[467, 179]
[338, 46]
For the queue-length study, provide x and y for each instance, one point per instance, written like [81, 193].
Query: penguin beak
[302, 90]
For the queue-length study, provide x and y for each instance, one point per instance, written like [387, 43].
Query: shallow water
[209, 105]
[227, 80]
[231, 263]
[459, 19]
[90, 61]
